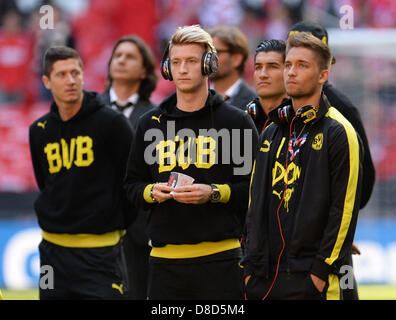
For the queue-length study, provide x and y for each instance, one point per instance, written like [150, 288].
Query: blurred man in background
[233, 50]
[131, 80]
[351, 113]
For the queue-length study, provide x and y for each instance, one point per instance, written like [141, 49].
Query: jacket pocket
[251, 289]
[311, 292]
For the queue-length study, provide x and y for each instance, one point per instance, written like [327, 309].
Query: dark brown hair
[54, 54]
[148, 85]
[307, 40]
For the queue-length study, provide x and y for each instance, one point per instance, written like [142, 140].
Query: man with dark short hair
[79, 152]
[268, 79]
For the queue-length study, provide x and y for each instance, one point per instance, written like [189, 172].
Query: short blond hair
[192, 34]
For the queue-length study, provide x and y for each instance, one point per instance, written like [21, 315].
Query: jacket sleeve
[138, 175]
[254, 259]
[351, 113]
[239, 186]
[37, 166]
[345, 175]
[245, 262]
[122, 134]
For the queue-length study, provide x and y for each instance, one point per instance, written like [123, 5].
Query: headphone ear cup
[209, 64]
[307, 113]
[214, 63]
[285, 114]
[251, 109]
[204, 64]
[165, 65]
[165, 69]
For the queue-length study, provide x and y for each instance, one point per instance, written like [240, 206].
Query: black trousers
[204, 278]
[293, 286]
[137, 261]
[82, 273]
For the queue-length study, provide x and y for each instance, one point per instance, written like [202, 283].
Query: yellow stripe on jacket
[350, 195]
[251, 181]
[334, 290]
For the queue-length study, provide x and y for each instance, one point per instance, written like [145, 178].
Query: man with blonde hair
[193, 229]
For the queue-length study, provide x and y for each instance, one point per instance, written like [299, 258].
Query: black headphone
[251, 109]
[306, 113]
[209, 64]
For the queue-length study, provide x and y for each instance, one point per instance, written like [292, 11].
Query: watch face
[215, 195]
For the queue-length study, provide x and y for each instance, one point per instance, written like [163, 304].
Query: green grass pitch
[366, 292]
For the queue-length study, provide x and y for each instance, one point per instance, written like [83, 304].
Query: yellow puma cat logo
[279, 194]
[157, 118]
[42, 124]
[118, 287]
[266, 147]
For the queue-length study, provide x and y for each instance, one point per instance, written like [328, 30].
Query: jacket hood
[169, 106]
[91, 102]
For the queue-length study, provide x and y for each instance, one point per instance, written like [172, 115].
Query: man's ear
[46, 82]
[324, 76]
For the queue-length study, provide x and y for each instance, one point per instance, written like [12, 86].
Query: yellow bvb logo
[79, 151]
[317, 142]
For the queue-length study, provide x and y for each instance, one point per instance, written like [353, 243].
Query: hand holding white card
[177, 180]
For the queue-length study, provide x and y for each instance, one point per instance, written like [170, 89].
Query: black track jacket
[319, 213]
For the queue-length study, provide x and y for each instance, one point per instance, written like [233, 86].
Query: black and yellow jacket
[351, 113]
[79, 166]
[161, 135]
[319, 208]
